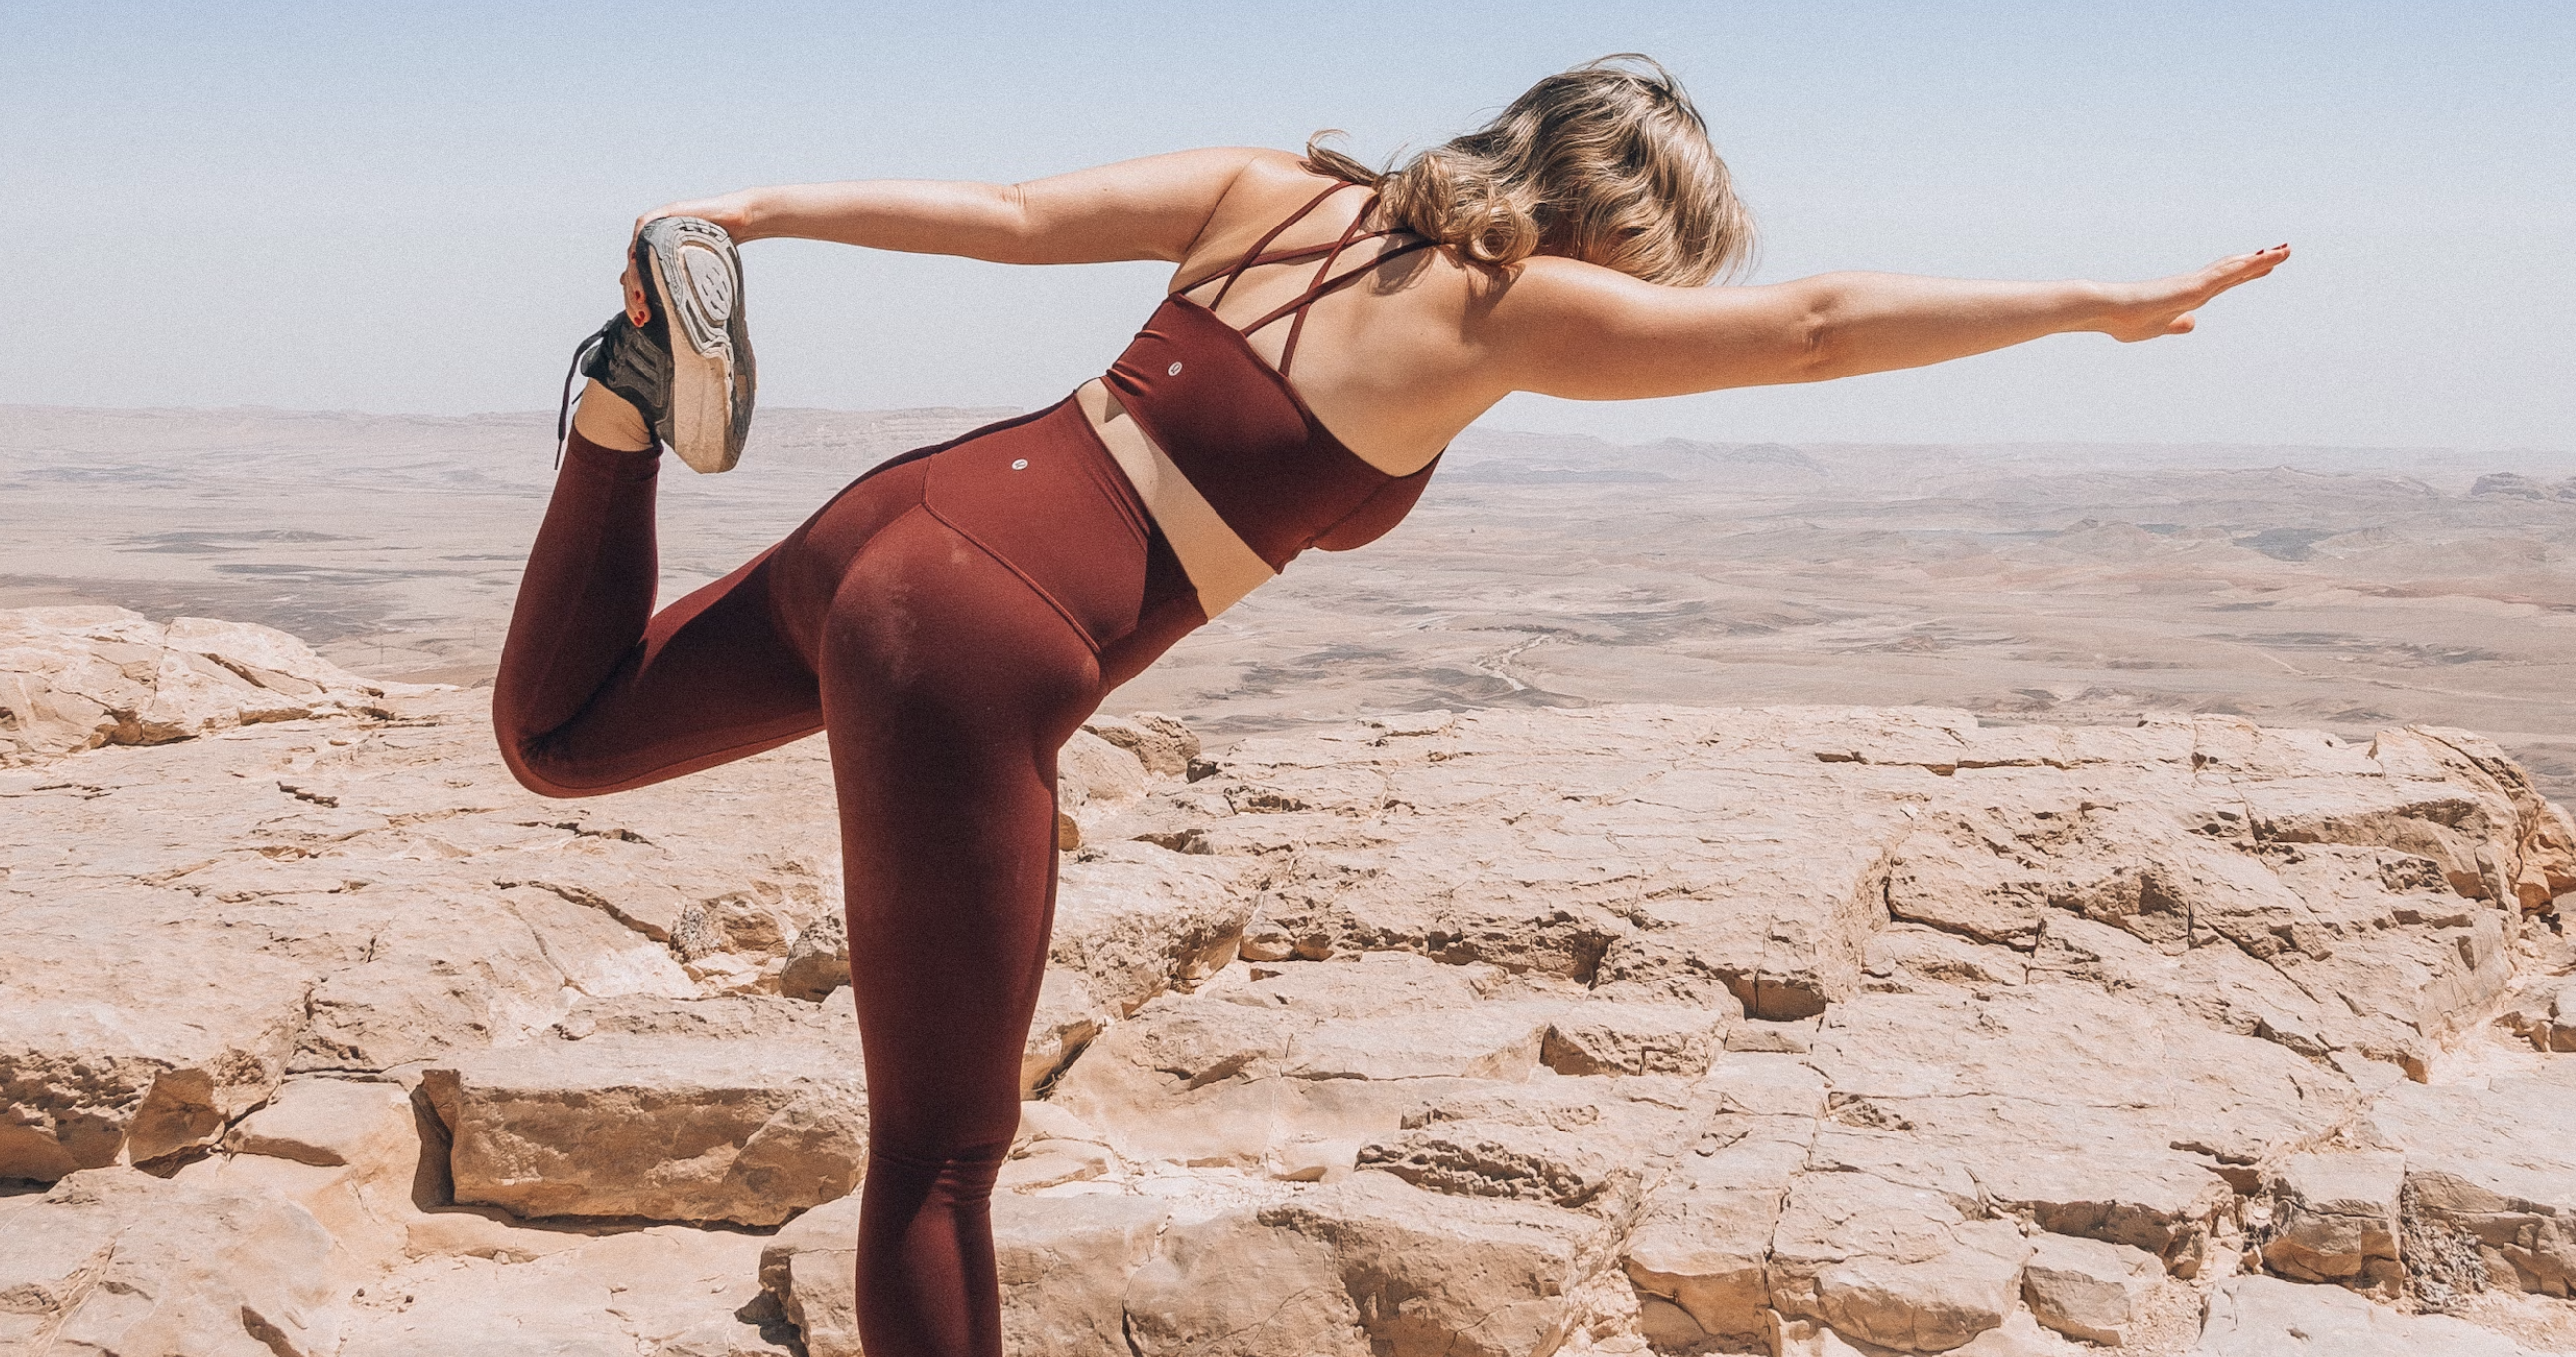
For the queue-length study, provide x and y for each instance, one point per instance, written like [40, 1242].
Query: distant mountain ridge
[516, 447]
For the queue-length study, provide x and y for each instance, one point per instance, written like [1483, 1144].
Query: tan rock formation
[78, 678]
[2266, 1317]
[2087, 1289]
[751, 1122]
[2337, 1219]
[112, 1261]
[1585, 1032]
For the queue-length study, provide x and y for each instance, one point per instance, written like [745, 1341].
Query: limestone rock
[135, 1043]
[2087, 1289]
[2492, 1163]
[810, 1269]
[660, 1126]
[77, 678]
[1090, 769]
[2545, 1015]
[1626, 1038]
[114, 1261]
[1891, 1264]
[1134, 921]
[2265, 1317]
[329, 1123]
[1233, 1286]
[2336, 1220]
[1581, 1031]
[1361, 1266]
[1065, 1265]
[1703, 1242]
[818, 962]
[1582, 1144]
[1319, 1051]
[1161, 743]
[2124, 1132]
[662, 1291]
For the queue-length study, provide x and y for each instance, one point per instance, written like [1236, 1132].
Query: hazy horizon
[1489, 425]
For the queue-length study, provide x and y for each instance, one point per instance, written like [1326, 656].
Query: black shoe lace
[563, 411]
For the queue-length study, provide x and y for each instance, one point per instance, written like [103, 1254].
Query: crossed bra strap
[1323, 284]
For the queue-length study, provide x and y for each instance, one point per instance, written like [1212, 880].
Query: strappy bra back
[1235, 427]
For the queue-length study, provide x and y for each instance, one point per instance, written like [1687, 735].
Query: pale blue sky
[420, 207]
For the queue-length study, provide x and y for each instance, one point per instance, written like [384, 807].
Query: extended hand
[2163, 307]
[725, 211]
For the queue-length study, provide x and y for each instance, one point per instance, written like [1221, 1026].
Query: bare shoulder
[1550, 289]
[1270, 177]
[1562, 327]
[1270, 185]
[1555, 299]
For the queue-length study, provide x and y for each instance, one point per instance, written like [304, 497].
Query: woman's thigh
[948, 684]
[961, 646]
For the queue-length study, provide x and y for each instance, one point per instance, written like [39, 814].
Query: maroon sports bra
[1236, 428]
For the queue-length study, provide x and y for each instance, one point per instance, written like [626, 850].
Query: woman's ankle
[605, 420]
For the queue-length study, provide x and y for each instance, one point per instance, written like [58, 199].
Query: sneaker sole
[698, 284]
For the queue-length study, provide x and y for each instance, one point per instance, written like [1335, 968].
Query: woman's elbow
[1816, 347]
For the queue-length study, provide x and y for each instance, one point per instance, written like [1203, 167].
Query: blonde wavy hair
[1608, 163]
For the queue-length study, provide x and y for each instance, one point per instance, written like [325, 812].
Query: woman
[955, 614]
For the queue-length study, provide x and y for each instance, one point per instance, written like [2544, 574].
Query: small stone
[1315, 1161]
[1773, 1038]
[1051, 1162]
[818, 962]
[328, 1122]
[2085, 1288]
[2336, 1213]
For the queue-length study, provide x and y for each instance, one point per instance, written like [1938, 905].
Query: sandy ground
[2344, 588]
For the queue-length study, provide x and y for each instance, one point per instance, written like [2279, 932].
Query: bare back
[1384, 364]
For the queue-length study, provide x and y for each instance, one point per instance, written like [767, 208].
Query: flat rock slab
[2494, 1162]
[667, 1291]
[2267, 1317]
[660, 1125]
[114, 1261]
[77, 678]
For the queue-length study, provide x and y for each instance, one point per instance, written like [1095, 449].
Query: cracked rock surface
[1618, 1030]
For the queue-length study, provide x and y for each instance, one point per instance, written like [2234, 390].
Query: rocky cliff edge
[1794, 1031]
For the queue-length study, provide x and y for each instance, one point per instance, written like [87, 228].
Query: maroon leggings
[949, 619]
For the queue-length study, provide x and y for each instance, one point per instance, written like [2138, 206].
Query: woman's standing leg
[948, 685]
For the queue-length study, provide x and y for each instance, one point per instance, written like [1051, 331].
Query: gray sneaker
[687, 370]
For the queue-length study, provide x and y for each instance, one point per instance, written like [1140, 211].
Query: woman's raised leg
[597, 692]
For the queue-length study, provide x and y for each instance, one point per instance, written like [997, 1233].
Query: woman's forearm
[1872, 322]
[916, 216]
[1136, 209]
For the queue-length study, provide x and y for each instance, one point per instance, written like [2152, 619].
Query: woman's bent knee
[518, 746]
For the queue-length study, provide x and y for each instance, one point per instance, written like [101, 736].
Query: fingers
[2238, 270]
[638, 310]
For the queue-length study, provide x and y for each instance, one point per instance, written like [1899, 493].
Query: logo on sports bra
[1174, 370]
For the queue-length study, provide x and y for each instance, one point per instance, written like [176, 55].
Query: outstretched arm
[1152, 208]
[1589, 334]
